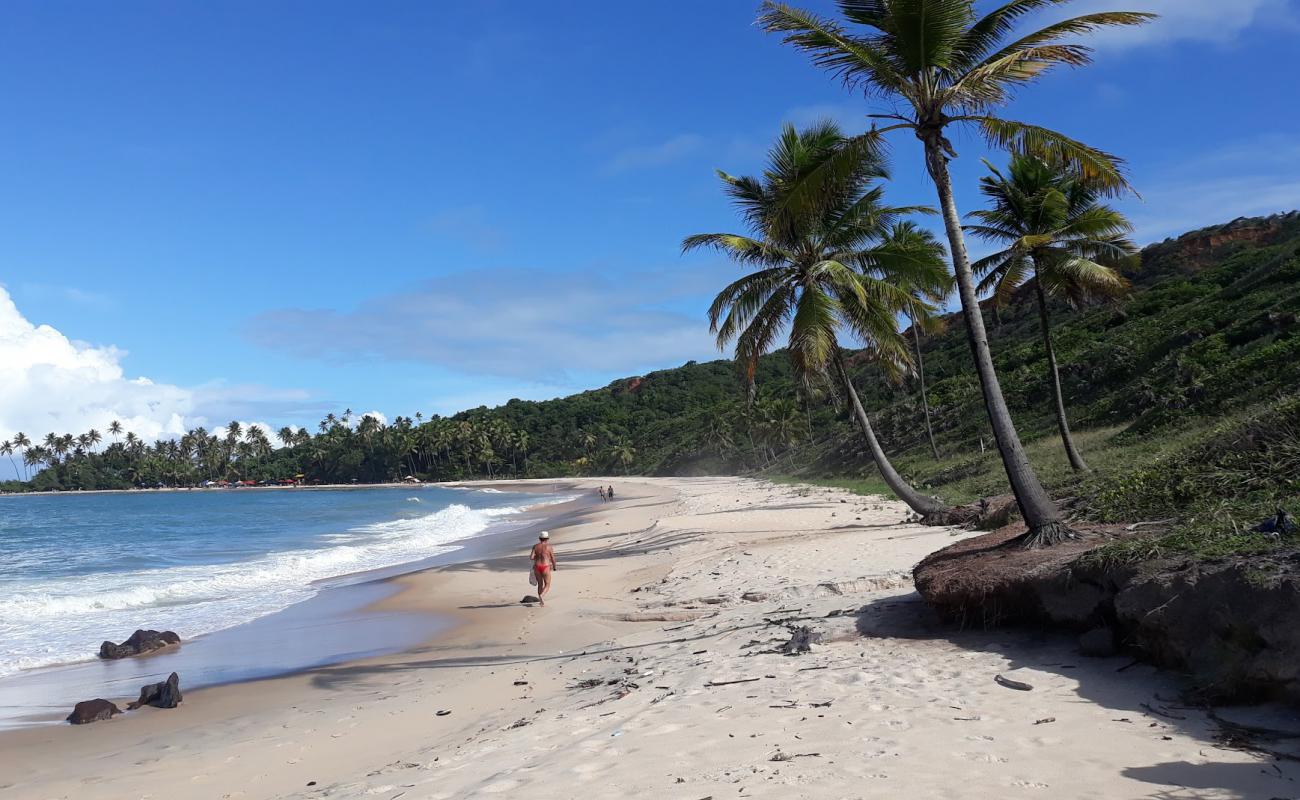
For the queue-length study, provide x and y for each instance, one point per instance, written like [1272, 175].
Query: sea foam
[46, 622]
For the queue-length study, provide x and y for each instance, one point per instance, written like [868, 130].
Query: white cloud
[52, 384]
[1212, 21]
[49, 383]
[655, 155]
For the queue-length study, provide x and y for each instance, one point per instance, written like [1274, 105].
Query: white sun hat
[544, 535]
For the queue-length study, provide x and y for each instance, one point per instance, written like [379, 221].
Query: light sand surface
[648, 607]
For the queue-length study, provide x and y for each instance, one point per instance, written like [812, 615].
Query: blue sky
[276, 209]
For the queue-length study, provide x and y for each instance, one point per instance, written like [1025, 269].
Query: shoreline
[301, 487]
[342, 606]
[648, 675]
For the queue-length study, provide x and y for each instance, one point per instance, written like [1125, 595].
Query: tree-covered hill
[1205, 347]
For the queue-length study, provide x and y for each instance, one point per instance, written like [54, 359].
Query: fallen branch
[728, 683]
[1019, 686]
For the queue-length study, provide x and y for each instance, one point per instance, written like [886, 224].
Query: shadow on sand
[1129, 689]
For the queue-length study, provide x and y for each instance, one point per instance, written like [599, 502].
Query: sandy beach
[655, 671]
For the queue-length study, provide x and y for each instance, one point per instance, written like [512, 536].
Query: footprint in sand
[986, 758]
[496, 787]
[1029, 785]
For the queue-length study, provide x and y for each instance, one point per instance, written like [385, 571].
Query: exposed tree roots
[1045, 536]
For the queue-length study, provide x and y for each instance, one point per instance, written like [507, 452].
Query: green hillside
[1183, 398]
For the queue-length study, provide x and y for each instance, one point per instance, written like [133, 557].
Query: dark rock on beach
[528, 598]
[139, 643]
[164, 694]
[1229, 623]
[92, 711]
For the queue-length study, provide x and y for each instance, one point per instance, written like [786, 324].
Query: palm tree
[7, 449]
[94, 437]
[926, 277]
[623, 453]
[806, 277]
[115, 428]
[21, 442]
[1056, 233]
[287, 436]
[939, 65]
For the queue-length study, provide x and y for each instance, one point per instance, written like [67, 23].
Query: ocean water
[78, 569]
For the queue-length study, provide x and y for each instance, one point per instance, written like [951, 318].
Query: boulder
[92, 711]
[528, 598]
[165, 694]
[1097, 643]
[139, 643]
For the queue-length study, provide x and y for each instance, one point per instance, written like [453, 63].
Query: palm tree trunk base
[1046, 535]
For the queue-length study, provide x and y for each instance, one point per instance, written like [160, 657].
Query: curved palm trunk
[1040, 513]
[925, 506]
[1054, 373]
[925, 402]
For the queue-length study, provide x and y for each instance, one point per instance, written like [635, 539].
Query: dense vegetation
[1183, 394]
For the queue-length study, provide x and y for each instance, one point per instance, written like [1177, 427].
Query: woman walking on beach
[543, 565]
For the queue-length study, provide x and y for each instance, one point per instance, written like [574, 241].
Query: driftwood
[1019, 686]
[728, 683]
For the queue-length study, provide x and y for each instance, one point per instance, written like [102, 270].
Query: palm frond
[834, 174]
[987, 32]
[741, 249]
[761, 332]
[859, 63]
[750, 196]
[923, 34]
[1081, 280]
[1097, 166]
[1076, 26]
[812, 331]
[736, 305]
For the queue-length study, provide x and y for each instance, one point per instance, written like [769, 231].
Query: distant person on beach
[543, 565]
[601, 489]
[609, 493]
